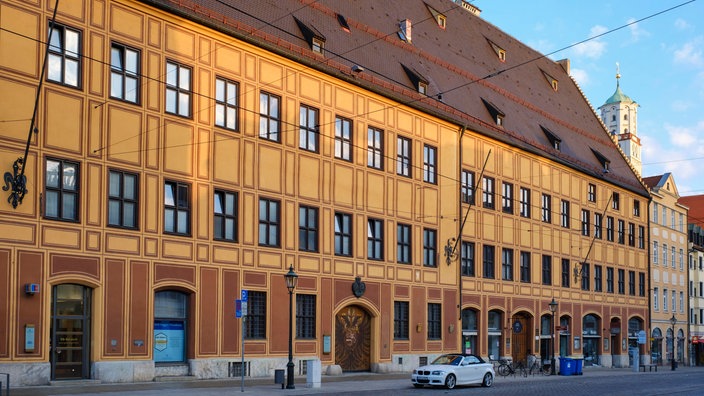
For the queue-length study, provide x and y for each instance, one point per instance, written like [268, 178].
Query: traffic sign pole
[243, 314]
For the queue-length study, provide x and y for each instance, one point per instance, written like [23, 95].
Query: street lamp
[673, 320]
[291, 282]
[553, 308]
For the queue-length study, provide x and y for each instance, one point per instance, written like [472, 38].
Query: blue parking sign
[244, 295]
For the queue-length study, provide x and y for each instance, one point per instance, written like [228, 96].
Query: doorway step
[75, 382]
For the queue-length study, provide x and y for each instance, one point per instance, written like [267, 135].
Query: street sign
[641, 337]
[238, 308]
[245, 295]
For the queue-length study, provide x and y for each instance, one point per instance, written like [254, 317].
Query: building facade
[695, 339]
[183, 152]
[669, 273]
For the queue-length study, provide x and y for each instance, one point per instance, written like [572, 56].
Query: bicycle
[536, 367]
[507, 368]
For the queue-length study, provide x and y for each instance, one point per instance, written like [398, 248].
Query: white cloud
[636, 32]
[690, 53]
[581, 76]
[681, 24]
[681, 136]
[593, 48]
[681, 106]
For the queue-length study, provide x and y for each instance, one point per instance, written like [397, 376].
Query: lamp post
[673, 320]
[553, 308]
[291, 282]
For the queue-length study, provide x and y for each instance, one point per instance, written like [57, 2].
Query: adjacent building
[434, 183]
[695, 229]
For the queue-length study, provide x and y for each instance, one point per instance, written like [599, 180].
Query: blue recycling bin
[579, 362]
[567, 366]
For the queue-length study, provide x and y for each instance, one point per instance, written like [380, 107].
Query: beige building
[669, 271]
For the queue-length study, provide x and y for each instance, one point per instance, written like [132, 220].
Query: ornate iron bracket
[16, 183]
[450, 251]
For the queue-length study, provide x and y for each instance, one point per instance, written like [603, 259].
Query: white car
[454, 369]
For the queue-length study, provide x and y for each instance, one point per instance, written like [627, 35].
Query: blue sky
[661, 64]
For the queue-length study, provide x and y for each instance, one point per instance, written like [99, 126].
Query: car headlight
[438, 372]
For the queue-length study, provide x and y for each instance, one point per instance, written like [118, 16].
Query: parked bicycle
[507, 368]
[535, 367]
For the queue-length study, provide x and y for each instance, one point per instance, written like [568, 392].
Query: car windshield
[453, 360]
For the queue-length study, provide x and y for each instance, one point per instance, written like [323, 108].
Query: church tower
[620, 115]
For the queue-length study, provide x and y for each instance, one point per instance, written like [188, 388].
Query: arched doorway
[591, 334]
[565, 349]
[635, 325]
[680, 346]
[353, 339]
[70, 332]
[656, 347]
[170, 324]
[521, 336]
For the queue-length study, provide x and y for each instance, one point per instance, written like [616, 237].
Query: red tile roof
[696, 209]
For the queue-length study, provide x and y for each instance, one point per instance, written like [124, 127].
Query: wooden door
[353, 339]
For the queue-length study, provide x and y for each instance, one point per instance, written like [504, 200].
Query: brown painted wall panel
[255, 278]
[62, 264]
[232, 327]
[278, 317]
[29, 308]
[326, 311]
[450, 317]
[387, 316]
[208, 328]
[5, 303]
[181, 273]
[419, 310]
[138, 315]
[113, 342]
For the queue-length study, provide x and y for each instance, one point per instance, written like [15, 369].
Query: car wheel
[488, 380]
[418, 385]
[450, 381]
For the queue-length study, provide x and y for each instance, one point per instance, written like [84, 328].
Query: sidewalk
[358, 382]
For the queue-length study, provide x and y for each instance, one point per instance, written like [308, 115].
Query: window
[467, 258]
[308, 132]
[124, 73]
[123, 193]
[488, 192]
[656, 252]
[585, 222]
[681, 259]
[375, 148]
[343, 138]
[269, 221]
[255, 325]
[621, 281]
[641, 284]
[565, 213]
[403, 243]
[305, 316]
[672, 219]
[641, 237]
[681, 301]
[674, 305]
[64, 62]
[177, 208]
[631, 283]
[525, 267]
[226, 102]
[546, 209]
[61, 190]
[655, 212]
[507, 197]
[598, 225]
[507, 264]
[615, 201]
[434, 321]
[488, 261]
[631, 234]
[178, 89]
[636, 208]
[609, 228]
[664, 255]
[225, 216]
[403, 156]
[430, 243]
[664, 216]
[343, 234]
[609, 280]
[375, 239]
[307, 229]
[171, 314]
[591, 193]
[400, 320]
[429, 162]
[597, 278]
[656, 299]
[585, 276]
[664, 300]
[674, 263]
[621, 231]
[547, 270]
[525, 202]
[269, 116]
[467, 187]
[565, 273]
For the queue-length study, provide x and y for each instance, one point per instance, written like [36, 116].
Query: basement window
[496, 114]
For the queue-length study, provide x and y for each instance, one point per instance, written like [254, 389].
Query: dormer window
[315, 39]
[439, 18]
[343, 23]
[419, 82]
[551, 80]
[605, 163]
[552, 137]
[500, 52]
[496, 114]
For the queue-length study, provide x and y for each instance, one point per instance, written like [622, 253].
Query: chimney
[405, 32]
[565, 63]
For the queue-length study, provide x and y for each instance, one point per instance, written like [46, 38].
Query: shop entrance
[70, 332]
